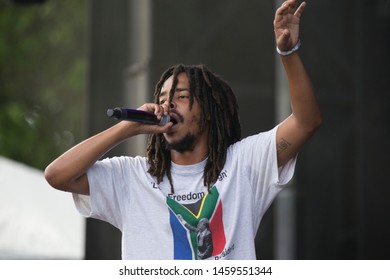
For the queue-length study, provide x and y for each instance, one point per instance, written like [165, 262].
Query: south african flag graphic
[199, 235]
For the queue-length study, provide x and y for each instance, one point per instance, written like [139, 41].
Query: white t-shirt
[192, 223]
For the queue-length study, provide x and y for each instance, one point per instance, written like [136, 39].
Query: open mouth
[174, 119]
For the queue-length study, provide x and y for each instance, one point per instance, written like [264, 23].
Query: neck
[187, 158]
[196, 155]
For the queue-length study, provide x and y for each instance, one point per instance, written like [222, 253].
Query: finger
[289, 2]
[161, 129]
[283, 8]
[159, 111]
[148, 107]
[300, 9]
[283, 40]
[291, 7]
[166, 107]
[164, 110]
[288, 7]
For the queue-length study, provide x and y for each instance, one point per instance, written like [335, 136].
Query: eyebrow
[182, 89]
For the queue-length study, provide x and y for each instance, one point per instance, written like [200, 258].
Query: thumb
[283, 40]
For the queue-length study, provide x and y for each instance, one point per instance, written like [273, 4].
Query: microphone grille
[164, 120]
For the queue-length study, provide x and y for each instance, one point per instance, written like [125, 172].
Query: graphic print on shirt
[198, 235]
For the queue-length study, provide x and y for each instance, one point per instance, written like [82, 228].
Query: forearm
[303, 101]
[294, 131]
[68, 172]
[74, 163]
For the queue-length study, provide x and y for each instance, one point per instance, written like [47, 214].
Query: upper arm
[290, 137]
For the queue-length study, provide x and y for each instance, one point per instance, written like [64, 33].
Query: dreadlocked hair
[219, 114]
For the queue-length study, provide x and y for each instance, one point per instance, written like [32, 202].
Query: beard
[186, 144]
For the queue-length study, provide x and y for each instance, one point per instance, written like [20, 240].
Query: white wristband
[293, 50]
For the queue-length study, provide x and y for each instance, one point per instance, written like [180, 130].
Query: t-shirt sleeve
[259, 158]
[105, 190]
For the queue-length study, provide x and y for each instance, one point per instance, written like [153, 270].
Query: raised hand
[286, 24]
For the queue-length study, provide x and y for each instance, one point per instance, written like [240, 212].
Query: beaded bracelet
[293, 50]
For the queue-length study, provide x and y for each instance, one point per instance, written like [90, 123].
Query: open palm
[286, 24]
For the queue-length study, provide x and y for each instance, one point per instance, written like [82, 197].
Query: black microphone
[137, 116]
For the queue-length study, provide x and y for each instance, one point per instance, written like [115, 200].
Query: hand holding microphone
[137, 116]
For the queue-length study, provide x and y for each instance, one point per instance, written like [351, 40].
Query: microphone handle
[136, 116]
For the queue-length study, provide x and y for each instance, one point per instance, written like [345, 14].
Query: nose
[172, 105]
